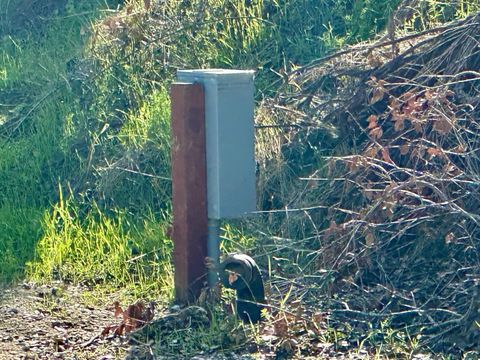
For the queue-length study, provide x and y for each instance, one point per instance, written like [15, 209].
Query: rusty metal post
[190, 222]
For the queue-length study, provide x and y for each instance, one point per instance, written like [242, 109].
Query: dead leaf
[434, 152]
[134, 317]
[442, 126]
[377, 95]
[232, 277]
[404, 149]
[318, 317]
[386, 156]
[399, 125]
[107, 330]
[372, 121]
[280, 327]
[147, 4]
[376, 133]
[429, 94]
[118, 309]
[395, 104]
[369, 239]
[371, 151]
[354, 163]
[418, 126]
[374, 60]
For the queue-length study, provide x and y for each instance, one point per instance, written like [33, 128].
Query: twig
[321, 60]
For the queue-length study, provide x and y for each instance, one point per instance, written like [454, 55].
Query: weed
[95, 249]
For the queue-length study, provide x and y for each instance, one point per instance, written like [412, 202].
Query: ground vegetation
[367, 185]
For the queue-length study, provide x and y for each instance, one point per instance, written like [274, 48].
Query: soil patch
[54, 322]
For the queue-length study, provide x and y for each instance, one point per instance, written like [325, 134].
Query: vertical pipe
[189, 187]
[213, 249]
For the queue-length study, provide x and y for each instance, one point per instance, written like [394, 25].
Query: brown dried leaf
[404, 149]
[399, 125]
[372, 121]
[318, 317]
[374, 60]
[332, 229]
[418, 126]
[434, 152]
[395, 104]
[369, 239]
[232, 277]
[117, 309]
[386, 156]
[107, 330]
[376, 133]
[354, 163]
[371, 151]
[377, 95]
[281, 327]
[429, 94]
[442, 126]
[120, 330]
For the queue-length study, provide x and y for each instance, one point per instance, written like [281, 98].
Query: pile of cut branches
[394, 207]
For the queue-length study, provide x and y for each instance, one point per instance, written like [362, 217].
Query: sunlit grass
[100, 250]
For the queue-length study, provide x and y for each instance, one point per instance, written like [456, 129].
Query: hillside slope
[368, 171]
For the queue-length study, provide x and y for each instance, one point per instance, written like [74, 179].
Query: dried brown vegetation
[392, 212]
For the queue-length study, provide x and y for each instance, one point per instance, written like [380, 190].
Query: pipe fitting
[241, 273]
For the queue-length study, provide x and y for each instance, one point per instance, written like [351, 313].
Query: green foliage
[97, 249]
[94, 119]
[369, 17]
[19, 232]
[223, 332]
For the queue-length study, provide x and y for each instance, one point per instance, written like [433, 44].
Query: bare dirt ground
[54, 322]
[57, 322]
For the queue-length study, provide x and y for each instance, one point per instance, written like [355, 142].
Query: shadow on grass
[20, 230]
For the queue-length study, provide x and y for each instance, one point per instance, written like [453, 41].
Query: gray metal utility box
[230, 142]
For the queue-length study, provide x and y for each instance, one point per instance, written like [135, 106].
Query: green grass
[95, 249]
[19, 231]
[105, 141]
[34, 98]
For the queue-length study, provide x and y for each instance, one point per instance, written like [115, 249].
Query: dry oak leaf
[434, 152]
[386, 156]
[404, 149]
[134, 317]
[443, 126]
[371, 151]
[378, 90]
[398, 120]
[376, 133]
[372, 121]
[354, 163]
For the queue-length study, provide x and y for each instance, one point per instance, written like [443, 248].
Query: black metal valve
[240, 272]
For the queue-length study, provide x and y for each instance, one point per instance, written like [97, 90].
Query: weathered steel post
[190, 222]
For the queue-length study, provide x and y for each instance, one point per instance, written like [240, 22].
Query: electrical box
[230, 145]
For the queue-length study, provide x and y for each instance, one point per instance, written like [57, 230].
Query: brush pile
[393, 211]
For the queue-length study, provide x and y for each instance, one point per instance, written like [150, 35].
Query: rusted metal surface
[190, 224]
